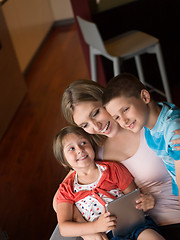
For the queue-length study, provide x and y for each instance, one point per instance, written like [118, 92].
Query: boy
[130, 104]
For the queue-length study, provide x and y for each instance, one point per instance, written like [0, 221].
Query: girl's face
[78, 151]
[94, 119]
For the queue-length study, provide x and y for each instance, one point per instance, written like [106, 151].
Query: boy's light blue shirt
[160, 136]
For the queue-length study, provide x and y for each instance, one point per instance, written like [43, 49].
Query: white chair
[125, 46]
[57, 236]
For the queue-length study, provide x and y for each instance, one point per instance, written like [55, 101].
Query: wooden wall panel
[12, 85]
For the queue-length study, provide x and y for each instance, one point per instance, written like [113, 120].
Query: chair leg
[139, 69]
[93, 64]
[163, 73]
[116, 66]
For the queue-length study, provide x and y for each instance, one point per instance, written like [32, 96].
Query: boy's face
[130, 112]
[78, 151]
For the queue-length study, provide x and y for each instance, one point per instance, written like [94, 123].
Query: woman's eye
[126, 109]
[84, 125]
[116, 118]
[96, 112]
[83, 143]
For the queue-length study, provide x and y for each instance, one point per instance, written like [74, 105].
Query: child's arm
[68, 228]
[130, 188]
[77, 217]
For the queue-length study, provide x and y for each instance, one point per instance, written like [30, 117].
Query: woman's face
[94, 119]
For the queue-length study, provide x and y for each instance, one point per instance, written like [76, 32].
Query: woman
[81, 105]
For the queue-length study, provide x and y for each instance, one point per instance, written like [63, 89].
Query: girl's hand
[105, 222]
[96, 236]
[145, 202]
[176, 141]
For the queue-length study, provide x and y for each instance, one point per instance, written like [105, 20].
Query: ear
[145, 96]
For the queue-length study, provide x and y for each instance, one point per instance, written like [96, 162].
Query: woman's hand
[105, 222]
[145, 202]
[176, 141]
[96, 236]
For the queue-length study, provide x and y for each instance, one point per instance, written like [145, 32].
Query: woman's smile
[106, 127]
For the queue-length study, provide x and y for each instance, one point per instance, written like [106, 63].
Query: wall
[12, 85]
[28, 23]
[61, 9]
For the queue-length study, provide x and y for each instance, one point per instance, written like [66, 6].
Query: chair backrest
[91, 34]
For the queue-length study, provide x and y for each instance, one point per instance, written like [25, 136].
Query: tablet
[128, 217]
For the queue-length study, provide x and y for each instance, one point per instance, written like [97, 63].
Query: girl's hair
[79, 91]
[58, 143]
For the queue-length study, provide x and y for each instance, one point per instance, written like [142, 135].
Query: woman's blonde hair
[82, 90]
[58, 148]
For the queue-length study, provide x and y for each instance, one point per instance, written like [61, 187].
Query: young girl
[90, 186]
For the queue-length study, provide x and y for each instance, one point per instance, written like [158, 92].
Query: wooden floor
[29, 174]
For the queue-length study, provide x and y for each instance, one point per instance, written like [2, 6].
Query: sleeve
[65, 192]
[173, 125]
[121, 175]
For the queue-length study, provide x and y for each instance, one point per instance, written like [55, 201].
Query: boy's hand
[105, 222]
[176, 141]
[96, 236]
[145, 202]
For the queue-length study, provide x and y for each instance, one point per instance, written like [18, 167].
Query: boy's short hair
[58, 143]
[125, 84]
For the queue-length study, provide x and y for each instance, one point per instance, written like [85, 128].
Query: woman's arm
[177, 169]
[55, 196]
[68, 228]
[54, 201]
[145, 202]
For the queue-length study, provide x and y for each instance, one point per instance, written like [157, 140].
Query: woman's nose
[96, 125]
